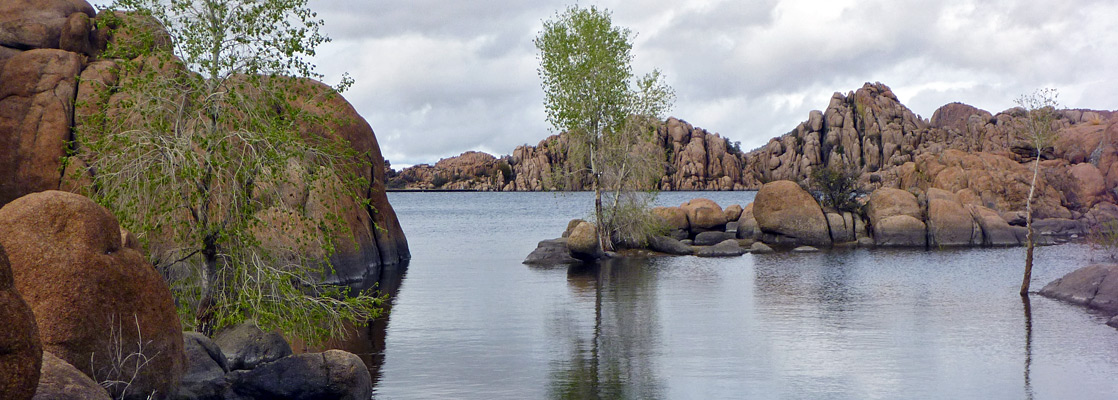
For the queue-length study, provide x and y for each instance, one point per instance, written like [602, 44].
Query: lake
[468, 320]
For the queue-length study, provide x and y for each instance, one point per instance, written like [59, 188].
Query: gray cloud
[436, 78]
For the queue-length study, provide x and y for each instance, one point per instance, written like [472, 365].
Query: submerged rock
[727, 248]
[333, 374]
[1094, 286]
[551, 252]
[669, 245]
[712, 238]
[760, 248]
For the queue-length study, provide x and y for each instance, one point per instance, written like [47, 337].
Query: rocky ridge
[694, 159]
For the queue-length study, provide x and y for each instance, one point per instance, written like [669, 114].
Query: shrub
[836, 188]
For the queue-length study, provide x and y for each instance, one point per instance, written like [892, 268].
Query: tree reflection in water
[1027, 305]
[612, 356]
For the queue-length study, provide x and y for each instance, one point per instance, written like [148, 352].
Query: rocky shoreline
[784, 216]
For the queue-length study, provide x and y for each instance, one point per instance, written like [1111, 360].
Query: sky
[437, 78]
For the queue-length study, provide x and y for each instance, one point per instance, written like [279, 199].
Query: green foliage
[439, 181]
[1104, 236]
[608, 114]
[1038, 128]
[632, 223]
[209, 148]
[837, 188]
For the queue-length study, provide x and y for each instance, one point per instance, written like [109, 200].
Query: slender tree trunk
[1029, 225]
[203, 313]
[599, 219]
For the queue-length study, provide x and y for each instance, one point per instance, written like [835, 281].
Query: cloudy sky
[437, 78]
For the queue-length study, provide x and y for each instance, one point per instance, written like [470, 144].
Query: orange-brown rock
[1089, 185]
[703, 215]
[37, 90]
[896, 218]
[784, 208]
[376, 231]
[949, 223]
[733, 212]
[92, 298]
[38, 24]
[674, 217]
[700, 160]
[21, 352]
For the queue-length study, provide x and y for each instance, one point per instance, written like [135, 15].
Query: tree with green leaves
[203, 147]
[609, 115]
[1039, 130]
[837, 187]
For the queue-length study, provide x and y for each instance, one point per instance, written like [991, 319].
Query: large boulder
[900, 231]
[784, 208]
[674, 217]
[61, 381]
[38, 24]
[20, 349]
[669, 245]
[1089, 185]
[333, 374]
[712, 238]
[949, 223]
[36, 111]
[583, 242]
[895, 216]
[995, 230]
[733, 212]
[377, 238]
[843, 227]
[1094, 286]
[92, 297]
[703, 215]
[206, 368]
[245, 346]
[747, 224]
[728, 248]
[551, 252]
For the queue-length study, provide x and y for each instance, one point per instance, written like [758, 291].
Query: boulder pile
[86, 315]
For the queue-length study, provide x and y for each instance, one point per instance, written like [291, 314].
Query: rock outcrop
[694, 159]
[1094, 287]
[46, 46]
[21, 352]
[786, 213]
[91, 297]
[37, 90]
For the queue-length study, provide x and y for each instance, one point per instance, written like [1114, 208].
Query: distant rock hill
[694, 159]
[972, 153]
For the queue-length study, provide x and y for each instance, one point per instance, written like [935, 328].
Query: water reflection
[613, 354]
[368, 342]
[1027, 306]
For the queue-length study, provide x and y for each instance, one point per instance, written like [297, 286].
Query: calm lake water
[470, 321]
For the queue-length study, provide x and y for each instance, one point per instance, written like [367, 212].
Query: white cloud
[437, 78]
